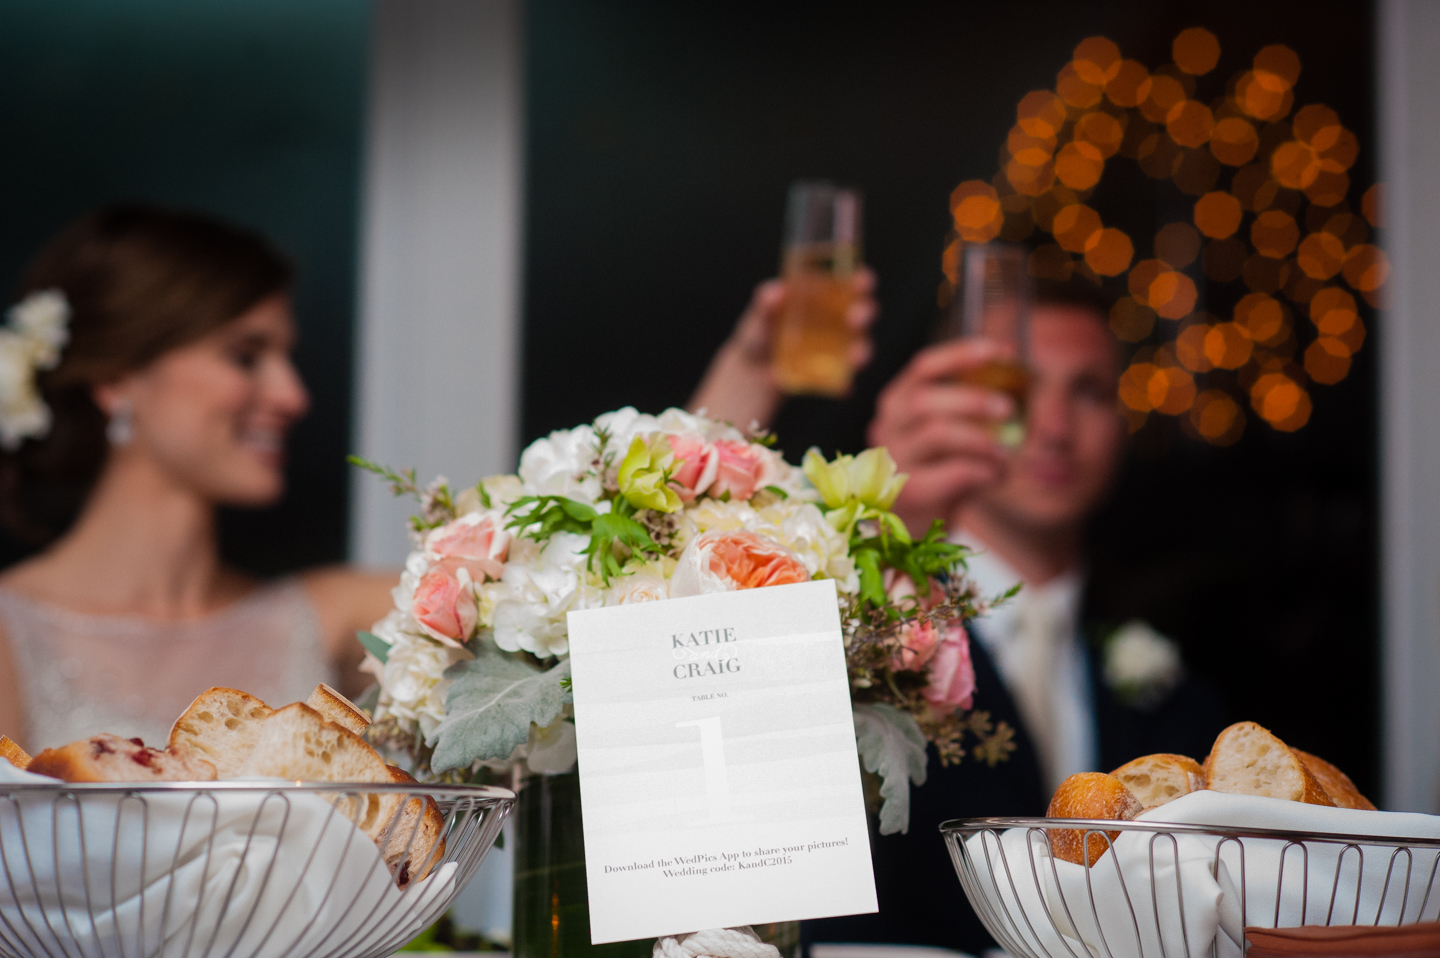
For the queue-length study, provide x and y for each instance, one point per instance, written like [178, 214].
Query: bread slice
[1160, 778]
[1088, 795]
[110, 758]
[1336, 783]
[222, 726]
[334, 707]
[1248, 760]
[13, 754]
[297, 743]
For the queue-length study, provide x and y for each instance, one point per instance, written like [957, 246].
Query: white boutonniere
[1142, 666]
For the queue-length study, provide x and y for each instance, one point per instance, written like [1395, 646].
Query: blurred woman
[145, 379]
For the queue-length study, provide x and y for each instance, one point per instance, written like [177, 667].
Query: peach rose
[918, 642]
[740, 471]
[952, 675]
[476, 542]
[723, 561]
[445, 606]
[696, 462]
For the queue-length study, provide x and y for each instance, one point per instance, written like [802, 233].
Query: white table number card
[718, 774]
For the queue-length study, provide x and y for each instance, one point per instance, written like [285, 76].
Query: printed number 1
[717, 779]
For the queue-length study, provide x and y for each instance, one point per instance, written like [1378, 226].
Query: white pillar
[1409, 107]
[437, 364]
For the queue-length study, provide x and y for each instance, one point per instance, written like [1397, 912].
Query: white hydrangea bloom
[557, 465]
[412, 682]
[538, 590]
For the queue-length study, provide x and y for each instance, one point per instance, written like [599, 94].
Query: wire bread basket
[234, 869]
[1181, 890]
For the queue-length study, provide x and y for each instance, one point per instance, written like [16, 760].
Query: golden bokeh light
[1261, 318]
[1190, 123]
[1227, 346]
[1075, 90]
[1217, 417]
[1102, 131]
[975, 207]
[1097, 60]
[1320, 255]
[1294, 165]
[1218, 214]
[1079, 165]
[1178, 244]
[1108, 252]
[1366, 268]
[1130, 85]
[1041, 113]
[1131, 321]
[1264, 274]
[1172, 295]
[1234, 141]
[1327, 360]
[1272, 210]
[1195, 172]
[1277, 64]
[1074, 225]
[1274, 234]
[1190, 348]
[1253, 187]
[1328, 188]
[1165, 93]
[1196, 51]
[1370, 205]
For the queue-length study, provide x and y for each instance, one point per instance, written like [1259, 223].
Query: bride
[169, 392]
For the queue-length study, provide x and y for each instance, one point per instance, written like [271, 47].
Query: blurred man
[1025, 512]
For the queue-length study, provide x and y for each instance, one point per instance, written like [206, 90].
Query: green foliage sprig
[614, 536]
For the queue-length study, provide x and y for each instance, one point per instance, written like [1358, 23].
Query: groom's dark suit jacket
[921, 902]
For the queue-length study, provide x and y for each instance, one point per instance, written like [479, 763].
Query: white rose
[711, 430]
[645, 584]
[556, 465]
[1141, 663]
[43, 319]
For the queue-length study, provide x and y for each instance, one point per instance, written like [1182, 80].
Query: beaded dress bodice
[83, 674]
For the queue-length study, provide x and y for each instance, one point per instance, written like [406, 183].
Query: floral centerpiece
[472, 664]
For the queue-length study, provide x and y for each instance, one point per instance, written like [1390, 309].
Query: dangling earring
[120, 430]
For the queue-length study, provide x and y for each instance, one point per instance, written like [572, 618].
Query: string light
[1271, 212]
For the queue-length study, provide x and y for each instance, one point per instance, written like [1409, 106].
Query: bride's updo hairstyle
[140, 281]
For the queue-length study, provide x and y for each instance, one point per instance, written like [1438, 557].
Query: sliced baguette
[1336, 783]
[334, 707]
[110, 758]
[297, 743]
[222, 725]
[13, 754]
[1161, 778]
[1248, 759]
[1088, 795]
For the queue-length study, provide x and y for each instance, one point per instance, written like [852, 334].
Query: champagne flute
[812, 339]
[993, 302]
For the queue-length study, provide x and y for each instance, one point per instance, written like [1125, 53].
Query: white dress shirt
[1035, 632]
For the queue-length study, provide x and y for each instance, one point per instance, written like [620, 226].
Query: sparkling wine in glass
[993, 302]
[821, 253]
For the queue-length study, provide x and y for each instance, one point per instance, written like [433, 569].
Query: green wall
[249, 109]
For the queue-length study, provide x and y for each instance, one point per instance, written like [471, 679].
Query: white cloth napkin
[1114, 908]
[166, 875]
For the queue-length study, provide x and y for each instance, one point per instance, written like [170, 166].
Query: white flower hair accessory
[37, 329]
[1141, 665]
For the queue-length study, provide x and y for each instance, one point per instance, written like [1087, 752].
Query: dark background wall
[248, 109]
[661, 141]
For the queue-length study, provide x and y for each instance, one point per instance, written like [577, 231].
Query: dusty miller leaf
[493, 699]
[892, 745]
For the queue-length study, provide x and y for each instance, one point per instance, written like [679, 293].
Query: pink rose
[445, 607]
[952, 676]
[918, 642]
[476, 542]
[741, 470]
[695, 465]
[899, 585]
